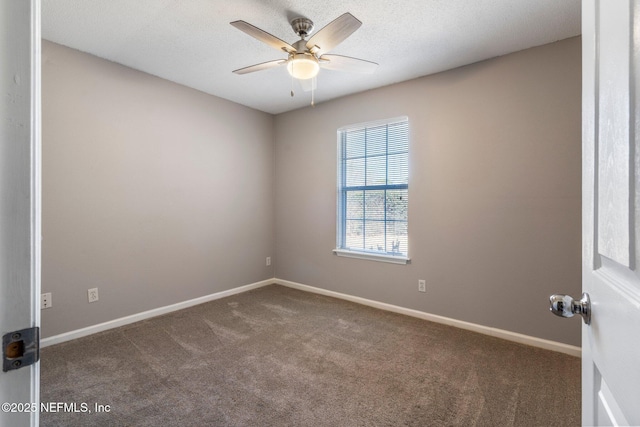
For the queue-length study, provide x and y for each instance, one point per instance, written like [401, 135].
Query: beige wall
[152, 192]
[494, 192]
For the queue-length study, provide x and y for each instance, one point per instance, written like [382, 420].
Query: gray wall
[156, 193]
[494, 192]
[152, 192]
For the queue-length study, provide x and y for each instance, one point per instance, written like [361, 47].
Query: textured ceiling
[191, 42]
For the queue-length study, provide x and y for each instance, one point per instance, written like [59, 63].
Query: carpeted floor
[276, 356]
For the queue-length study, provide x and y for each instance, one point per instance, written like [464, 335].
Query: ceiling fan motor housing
[302, 26]
[300, 46]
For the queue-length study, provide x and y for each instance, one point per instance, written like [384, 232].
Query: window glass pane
[355, 172]
[398, 172]
[376, 141]
[376, 170]
[374, 204]
[374, 236]
[398, 137]
[354, 236]
[355, 143]
[355, 205]
[397, 237]
[397, 204]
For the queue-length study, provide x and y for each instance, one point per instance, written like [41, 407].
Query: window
[373, 190]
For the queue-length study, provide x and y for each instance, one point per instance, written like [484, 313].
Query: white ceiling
[191, 42]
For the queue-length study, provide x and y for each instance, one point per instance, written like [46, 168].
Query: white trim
[89, 330]
[36, 191]
[486, 330]
[372, 257]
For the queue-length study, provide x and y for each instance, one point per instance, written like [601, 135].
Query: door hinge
[20, 348]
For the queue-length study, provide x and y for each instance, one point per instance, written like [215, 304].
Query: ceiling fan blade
[347, 63]
[308, 85]
[263, 36]
[261, 66]
[333, 33]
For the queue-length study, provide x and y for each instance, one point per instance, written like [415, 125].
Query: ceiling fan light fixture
[303, 67]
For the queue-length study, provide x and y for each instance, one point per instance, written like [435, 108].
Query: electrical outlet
[46, 301]
[422, 285]
[92, 294]
[268, 261]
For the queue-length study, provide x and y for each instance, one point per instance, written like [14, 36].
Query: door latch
[20, 348]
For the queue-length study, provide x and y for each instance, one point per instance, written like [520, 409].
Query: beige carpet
[281, 357]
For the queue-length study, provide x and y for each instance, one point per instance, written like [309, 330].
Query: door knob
[566, 306]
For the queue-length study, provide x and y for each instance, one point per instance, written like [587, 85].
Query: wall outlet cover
[46, 301]
[92, 294]
[422, 285]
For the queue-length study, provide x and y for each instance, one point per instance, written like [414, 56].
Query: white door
[611, 211]
[19, 201]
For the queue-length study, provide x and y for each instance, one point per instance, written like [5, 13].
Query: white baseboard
[499, 333]
[78, 333]
[494, 332]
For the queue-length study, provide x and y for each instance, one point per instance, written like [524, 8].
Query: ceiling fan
[306, 57]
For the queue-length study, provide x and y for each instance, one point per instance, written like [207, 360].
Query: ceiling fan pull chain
[313, 91]
[292, 83]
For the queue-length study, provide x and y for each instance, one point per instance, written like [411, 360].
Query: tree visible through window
[373, 187]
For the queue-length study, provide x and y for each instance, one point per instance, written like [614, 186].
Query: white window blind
[373, 188]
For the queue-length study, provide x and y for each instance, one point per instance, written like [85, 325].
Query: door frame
[20, 197]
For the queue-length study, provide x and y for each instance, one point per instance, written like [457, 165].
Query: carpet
[276, 356]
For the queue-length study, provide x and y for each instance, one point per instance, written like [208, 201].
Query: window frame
[341, 217]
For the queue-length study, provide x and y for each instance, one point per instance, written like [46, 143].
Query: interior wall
[152, 192]
[156, 193]
[494, 192]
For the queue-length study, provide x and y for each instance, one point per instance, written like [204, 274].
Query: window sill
[372, 257]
